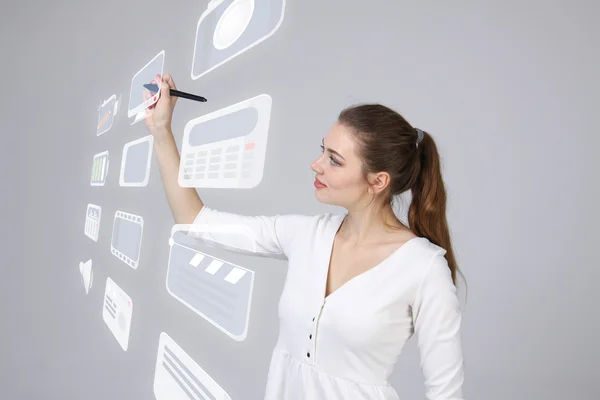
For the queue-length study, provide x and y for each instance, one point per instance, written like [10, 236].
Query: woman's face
[339, 169]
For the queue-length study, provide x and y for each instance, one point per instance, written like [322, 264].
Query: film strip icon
[126, 240]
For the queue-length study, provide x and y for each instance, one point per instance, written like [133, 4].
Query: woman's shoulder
[421, 256]
[312, 224]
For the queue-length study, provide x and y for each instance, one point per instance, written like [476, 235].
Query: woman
[359, 284]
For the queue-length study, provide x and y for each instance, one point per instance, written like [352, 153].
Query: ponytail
[427, 211]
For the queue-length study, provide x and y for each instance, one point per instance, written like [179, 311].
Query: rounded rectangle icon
[107, 111]
[141, 98]
[87, 274]
[178, 377]
[136, 161]
[126, 242]
[117, 312]
[230, 27]
[99, 169]
[92, 221]
[217, 290]
[226, 148]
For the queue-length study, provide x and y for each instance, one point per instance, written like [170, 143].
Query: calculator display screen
[237, 124]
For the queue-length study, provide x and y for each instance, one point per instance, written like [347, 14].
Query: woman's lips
[318, 184]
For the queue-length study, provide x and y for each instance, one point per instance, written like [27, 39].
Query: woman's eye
[330, 158]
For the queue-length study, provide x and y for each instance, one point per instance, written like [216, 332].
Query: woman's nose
[315, 166]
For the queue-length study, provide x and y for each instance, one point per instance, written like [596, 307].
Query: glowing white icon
[87, 274]
[107, 111]
[99, 169]
[136, 161]
[92, 221]
[139, 98]
[215, 289]
[230, 27]
[126, 242]
[117, 312]
[226, 148]
[178, 377]
[233, 23]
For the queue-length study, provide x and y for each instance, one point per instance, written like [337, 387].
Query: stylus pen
[154, 88]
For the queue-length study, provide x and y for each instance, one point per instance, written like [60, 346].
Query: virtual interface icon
[139, 100]
[117, 312]
[106, 114]
[230, 27]
[92, 221]
[99, 169]
[226, 148]
[87, 274]
[217, 290]
[136, 161]
[126, 240]
[178, 377]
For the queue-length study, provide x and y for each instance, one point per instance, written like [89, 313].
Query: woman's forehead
[341, 140]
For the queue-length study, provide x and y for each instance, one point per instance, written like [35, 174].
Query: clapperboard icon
[178, 377]
[217, 290]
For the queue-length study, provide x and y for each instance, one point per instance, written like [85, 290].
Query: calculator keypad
[229, 159]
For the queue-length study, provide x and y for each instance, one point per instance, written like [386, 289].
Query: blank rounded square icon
[140, 96]
[178, 377]
[136, 161]
[107, 111]
[99, 169]
[226, 148]
[126, 242]
[230, 27]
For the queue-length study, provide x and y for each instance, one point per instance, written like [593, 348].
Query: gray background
[508, 89]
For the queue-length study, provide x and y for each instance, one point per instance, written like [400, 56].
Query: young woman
[358, 284]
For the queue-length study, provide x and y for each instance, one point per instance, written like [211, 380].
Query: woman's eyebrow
[332, 151]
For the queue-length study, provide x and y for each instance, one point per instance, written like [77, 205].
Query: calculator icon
[226, 149]
[92, 221]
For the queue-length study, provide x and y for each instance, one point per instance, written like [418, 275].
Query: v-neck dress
[345, 346]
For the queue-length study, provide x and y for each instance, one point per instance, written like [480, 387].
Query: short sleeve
[437, 320]
[267, 236]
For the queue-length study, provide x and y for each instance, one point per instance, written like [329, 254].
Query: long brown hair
[388, 143]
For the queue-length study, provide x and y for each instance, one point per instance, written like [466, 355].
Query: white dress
[345, 346]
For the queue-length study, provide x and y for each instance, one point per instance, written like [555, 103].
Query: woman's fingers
[169, 80]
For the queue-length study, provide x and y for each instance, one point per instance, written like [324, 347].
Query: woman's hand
[160, 114]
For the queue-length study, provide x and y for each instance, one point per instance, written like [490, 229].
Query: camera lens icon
[230, 27]
[233, 23]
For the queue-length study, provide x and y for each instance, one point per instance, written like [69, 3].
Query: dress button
[313, 318]
[310, 336]
[308, 355]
